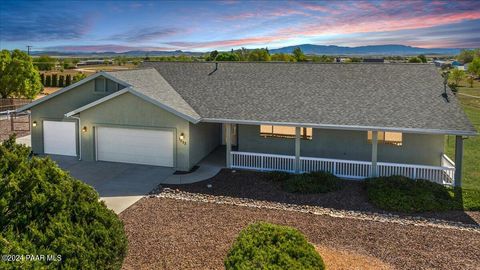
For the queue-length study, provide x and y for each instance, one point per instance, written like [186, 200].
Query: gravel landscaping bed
[169, 233]
[352, 197]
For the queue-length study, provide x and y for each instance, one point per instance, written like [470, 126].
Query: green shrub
[268, 246]
[68, 80]
[45, 211]
[277, 176]
[54, 80]
[315, 182]
[398, 193]
[48, 80]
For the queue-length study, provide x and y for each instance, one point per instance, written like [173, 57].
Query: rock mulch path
[196, 232]
[352, 197]
[317, 210]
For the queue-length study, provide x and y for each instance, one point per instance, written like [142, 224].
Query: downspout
[79, 136]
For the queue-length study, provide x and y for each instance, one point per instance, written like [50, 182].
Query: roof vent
[445, 82]
[216, 67]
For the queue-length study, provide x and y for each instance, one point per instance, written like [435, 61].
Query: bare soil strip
[168, 233]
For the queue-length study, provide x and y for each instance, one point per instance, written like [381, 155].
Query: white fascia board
[344, 127]
[63, 90]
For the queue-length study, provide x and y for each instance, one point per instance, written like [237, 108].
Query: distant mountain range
[111, 54]
[371, 50]
[367, 50]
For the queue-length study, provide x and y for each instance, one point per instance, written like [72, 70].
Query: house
[95, 62]
[355, 120]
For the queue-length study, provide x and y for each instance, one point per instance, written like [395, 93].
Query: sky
[118, 26]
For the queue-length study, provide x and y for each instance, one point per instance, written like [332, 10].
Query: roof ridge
[284, 62]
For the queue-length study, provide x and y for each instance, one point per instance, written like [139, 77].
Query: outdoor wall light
[34, 124]
[182, 138]
[84, 129]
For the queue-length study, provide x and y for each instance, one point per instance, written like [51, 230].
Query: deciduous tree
[474, 67]
[18, 76]
[299, 55]
[456, 75]
[259, 55]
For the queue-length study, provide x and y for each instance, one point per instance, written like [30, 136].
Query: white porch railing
[344, 168]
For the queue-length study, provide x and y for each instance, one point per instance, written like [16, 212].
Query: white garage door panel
[139, 146]
[59, 138]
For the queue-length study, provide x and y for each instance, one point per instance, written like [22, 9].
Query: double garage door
[139, 146]
[128, 145]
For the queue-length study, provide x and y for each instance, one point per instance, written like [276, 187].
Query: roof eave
[346, 127]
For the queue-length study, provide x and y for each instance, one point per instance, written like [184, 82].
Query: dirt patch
[253, 185]
[174, 234]
[335, 259]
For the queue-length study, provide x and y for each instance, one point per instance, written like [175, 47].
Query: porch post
[458, 160]
[228, 144]
[297, 149]
[374, 153]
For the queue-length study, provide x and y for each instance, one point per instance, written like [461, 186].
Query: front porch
[370, 159]
[350, 169]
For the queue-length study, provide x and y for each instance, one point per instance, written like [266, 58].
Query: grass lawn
[471, 162]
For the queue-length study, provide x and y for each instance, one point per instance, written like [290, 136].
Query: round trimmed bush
[267, 246]
[45, 211]
[402, 194]
[315, 182]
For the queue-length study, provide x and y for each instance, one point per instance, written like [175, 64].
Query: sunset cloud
[223, 25]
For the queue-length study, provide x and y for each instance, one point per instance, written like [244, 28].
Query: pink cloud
[380, 23]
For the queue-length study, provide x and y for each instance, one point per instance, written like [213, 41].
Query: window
[284, 132]
[100, 85]
[393, 138]
[111, 86]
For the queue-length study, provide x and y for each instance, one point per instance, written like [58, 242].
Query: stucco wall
[342, 144]
[128, 110]
[56, 107]
[204, 138]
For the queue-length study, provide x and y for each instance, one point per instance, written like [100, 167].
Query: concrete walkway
[208, 168]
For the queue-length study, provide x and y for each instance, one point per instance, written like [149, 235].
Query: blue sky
[205, 25]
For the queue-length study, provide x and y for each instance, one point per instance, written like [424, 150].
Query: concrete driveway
[119, 184]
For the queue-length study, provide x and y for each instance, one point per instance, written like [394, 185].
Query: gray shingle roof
[395, 96]
[151, 84]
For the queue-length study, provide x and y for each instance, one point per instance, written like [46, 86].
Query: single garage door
[59, 138]
[139, 146]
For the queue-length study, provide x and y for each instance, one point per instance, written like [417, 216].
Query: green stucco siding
[204, 138]
[343, 144]
[128, 110]
[56, 107]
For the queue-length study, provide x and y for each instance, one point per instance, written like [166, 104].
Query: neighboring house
[354, 120]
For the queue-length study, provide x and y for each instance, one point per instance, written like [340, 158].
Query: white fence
[344, 168]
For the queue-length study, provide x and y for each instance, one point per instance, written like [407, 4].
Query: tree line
[263, 55]
[55, 80]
